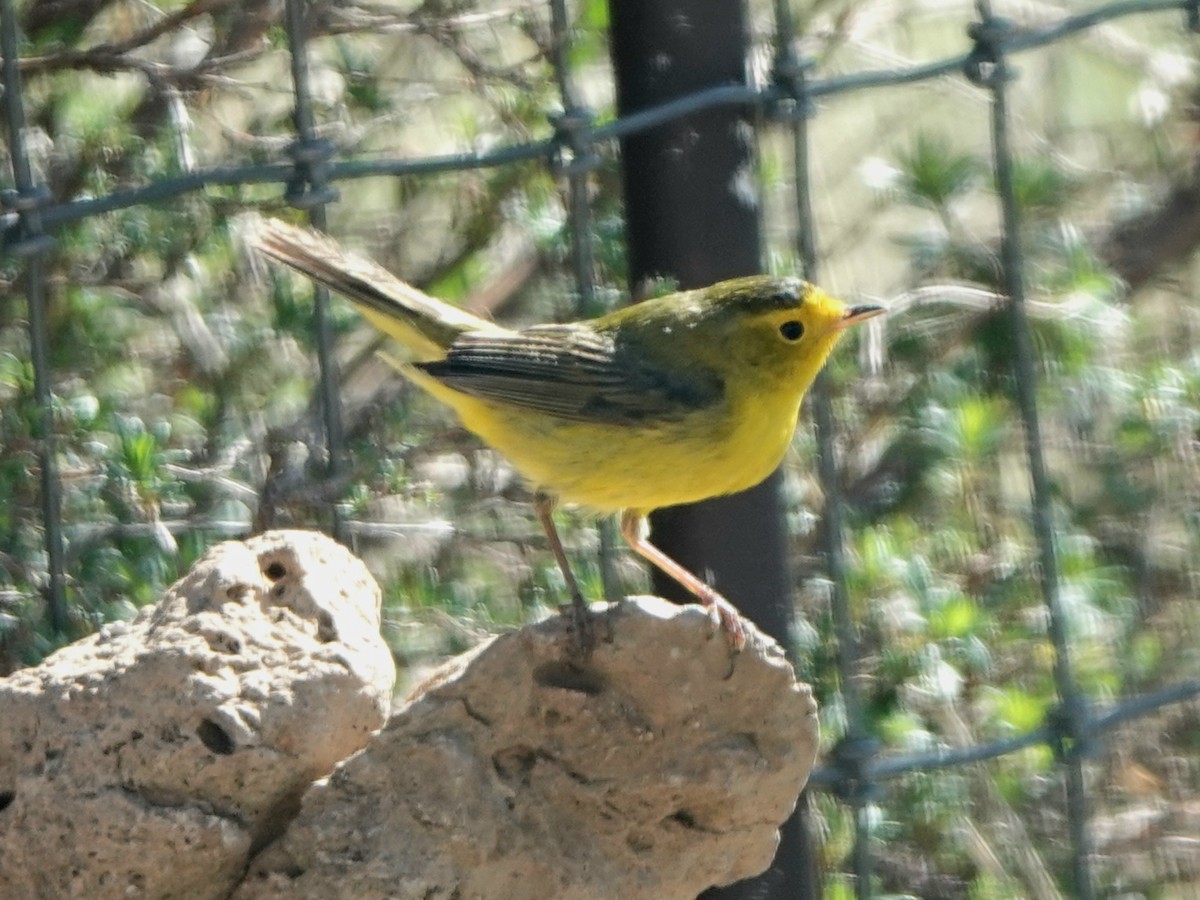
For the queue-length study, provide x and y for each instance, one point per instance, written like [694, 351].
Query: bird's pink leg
[723, 613]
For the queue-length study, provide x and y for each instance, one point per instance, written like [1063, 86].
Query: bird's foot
[725, 617]
[583, 630]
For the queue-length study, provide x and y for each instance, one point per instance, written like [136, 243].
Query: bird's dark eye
[791, 330]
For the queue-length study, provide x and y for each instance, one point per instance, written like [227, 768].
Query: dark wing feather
[572, 372]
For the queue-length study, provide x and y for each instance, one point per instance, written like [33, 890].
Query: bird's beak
[856, 314]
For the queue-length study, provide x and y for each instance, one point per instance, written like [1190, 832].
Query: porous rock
[651, 769]
[152, 759]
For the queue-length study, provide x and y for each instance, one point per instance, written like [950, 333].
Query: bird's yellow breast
[722, 449]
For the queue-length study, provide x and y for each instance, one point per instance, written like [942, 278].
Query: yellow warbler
[673, 400]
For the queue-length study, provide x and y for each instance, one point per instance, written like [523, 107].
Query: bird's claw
[725, 617]
[583, 631]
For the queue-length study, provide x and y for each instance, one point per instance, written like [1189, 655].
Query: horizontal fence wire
[28, 221]
[766, 97]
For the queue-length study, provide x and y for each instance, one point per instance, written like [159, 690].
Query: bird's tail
[423, 324]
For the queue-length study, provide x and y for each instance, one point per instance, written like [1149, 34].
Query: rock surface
[154, 758]
[185, 754]
[649, 770]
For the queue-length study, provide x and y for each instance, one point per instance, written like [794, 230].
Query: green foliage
[1041, 187]
[935, 175]
[943, 562]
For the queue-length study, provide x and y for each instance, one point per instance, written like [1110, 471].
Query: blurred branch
[114, 49]
[451, 39]
[116, 56]
[378, 20]
[1142, 248]
[214, 476]
[105, 61]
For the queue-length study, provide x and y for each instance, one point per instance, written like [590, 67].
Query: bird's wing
[572, 372]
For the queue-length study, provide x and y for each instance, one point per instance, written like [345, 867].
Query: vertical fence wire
[854, 751]
[309, 189]
[33, 243]
[988, 66]
[574, 157]
[790, 75]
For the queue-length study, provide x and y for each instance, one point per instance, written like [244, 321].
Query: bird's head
[779, 329]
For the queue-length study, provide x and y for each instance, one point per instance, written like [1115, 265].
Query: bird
[673, 400]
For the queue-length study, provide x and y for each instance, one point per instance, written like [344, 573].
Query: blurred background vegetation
[186, 412]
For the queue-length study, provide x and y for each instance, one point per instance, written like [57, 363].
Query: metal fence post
[692, 215]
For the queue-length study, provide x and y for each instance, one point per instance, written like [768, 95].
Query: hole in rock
[569, 677]
[513, 764]
[215, 738]
[683, 817]
[326, 629]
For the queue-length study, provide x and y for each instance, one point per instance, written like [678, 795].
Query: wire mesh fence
[788, 99]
